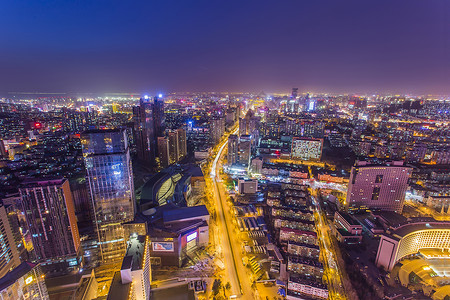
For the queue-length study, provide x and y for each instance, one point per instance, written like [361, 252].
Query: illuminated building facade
[24, 282]
[306, 148]
[109, 174]
[50, 216]
[378, 186]
[9, 255]
[409, 238]
[233, 149]
[135, 272]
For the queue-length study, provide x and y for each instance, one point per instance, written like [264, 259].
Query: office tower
[50, 216]
[306, 148]
[24, 282]
[173, 146]
[294, 93]
[158, 116]
[245, 144]
[110, 178]
[182, 145]
[217, 129]
[163, 151]
[145, 131]
[376, 186]
[233, 149]
[9, 254]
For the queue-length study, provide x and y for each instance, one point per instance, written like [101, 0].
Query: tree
[216, 286]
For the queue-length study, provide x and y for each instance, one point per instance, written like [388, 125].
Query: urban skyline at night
[210, 150]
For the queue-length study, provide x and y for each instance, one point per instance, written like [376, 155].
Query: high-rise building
[173, 146]
[233, 149]
[149, 125]
[245, 144]
[249, 124]
[50, 216]
[135, 272]
[182, 145]
[217, 129]
[306, 148]
[24, 282]
[378, 186]
[109, 174]
[9, 254]
[145, 131]
[163, 151]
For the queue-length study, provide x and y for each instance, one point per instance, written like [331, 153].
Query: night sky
[147, 46]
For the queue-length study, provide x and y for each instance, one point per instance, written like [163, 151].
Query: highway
[229, 242]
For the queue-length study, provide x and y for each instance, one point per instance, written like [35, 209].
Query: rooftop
[15, 274]
[135, 253]
[184, 213]
[408, 228]
[118, 291]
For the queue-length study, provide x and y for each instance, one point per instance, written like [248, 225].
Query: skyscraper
[378, 186]
[149, 125]
[163, 150]
[182, 146]
[9, 255]
[233, 149]
[109, 174]
[50, 216]
[144, 131]
[245, 144]
[173, 146]
[217, 128]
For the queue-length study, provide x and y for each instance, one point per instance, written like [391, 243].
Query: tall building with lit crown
[109, 174]
[148, 126]
[377, 186]
[9, 254]
[144, 129]
[50, 215]
[24, 282]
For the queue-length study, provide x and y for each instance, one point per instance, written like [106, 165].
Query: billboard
[162, 246]
[191, 236]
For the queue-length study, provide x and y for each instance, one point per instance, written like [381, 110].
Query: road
[328, 252]
[229, 242]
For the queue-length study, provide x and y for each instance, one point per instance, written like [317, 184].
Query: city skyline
[384, 47]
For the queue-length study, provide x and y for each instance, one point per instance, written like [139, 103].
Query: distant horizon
[38, 94]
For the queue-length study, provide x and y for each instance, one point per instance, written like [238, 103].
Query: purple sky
[139, 46]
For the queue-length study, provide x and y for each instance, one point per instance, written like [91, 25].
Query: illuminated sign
[29, 280]
[162, 246]
[191, 236]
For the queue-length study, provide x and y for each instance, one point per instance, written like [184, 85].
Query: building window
[379, 179]
[375, 193]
